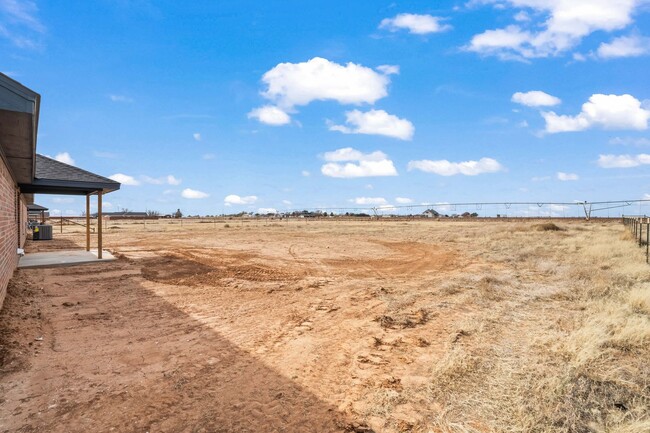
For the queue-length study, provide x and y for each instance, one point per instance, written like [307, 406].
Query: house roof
[19, 111]
[55, 177]
[36, 208]
[37, 174]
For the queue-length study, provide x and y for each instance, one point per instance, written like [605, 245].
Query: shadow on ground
[93, 350]
[57, 243]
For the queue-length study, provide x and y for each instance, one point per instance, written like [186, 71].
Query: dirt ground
[307, 327]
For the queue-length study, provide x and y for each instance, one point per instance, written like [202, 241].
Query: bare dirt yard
[329, 326]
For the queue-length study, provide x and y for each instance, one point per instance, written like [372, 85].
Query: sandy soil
[276, 327]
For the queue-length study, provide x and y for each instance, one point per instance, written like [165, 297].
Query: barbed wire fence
[585, 209]
[639, 227]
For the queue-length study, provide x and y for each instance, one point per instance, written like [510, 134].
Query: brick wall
[23, 221]
[12, 209]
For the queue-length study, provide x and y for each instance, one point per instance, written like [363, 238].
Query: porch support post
[87, 222]
[99, 224]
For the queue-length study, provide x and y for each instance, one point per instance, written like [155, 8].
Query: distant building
[431, 213]
[126, 215]
[37, 213]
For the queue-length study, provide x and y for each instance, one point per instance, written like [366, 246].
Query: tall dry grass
[562, 341]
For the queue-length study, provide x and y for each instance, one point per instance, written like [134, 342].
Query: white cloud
[305, 173]
[566, 23]
[376, 122]
[567, 176]
[120, 98]
[535, 98]
[194, 194]
[388, 69]
[361, 165]
[235, 199]
[63, 200]
[414, 23]
[165, 180]
[294, 84]
[521, 16]
[467, 168]
[23, 12]
[65, 158]
[624, 46]
[197, 136]
[124, 179]
[557, 209]
[208, 156]
[500, 42]
[441, 206]
[630, 141]
[270, 115]
[19, 18]
[362, 169]
[369, 201]
[287, 202]
[403, 200]
[266, 210]
[350, 154]
[605, 111]
[171, 180]
[579, 57]
[540, 178]
[623, 161]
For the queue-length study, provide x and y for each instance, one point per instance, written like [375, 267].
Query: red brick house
[23, 173]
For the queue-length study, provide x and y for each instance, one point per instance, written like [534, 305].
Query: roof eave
[29, 96]
[64, 187]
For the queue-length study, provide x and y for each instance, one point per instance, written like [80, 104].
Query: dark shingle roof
[35, 207]
[48, 168]
[55, 177]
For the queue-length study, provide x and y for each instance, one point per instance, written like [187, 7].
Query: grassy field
[384, 326]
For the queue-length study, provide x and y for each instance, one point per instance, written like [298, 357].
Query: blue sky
[225, 106]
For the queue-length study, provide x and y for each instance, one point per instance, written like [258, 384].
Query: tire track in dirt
[403, 259]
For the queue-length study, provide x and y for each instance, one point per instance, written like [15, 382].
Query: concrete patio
[63, 258]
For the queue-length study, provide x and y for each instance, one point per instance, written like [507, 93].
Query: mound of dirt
[547, 227]
[171, 269]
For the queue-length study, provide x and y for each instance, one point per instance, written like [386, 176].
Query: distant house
[127, 215]
[430, 213]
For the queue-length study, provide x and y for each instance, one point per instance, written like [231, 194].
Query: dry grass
[639, 299]
[587, 370]
[546, 227]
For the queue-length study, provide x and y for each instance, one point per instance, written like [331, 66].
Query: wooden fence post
[647, 242]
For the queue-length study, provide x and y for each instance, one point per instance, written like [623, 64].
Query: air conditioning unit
[42, 232]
